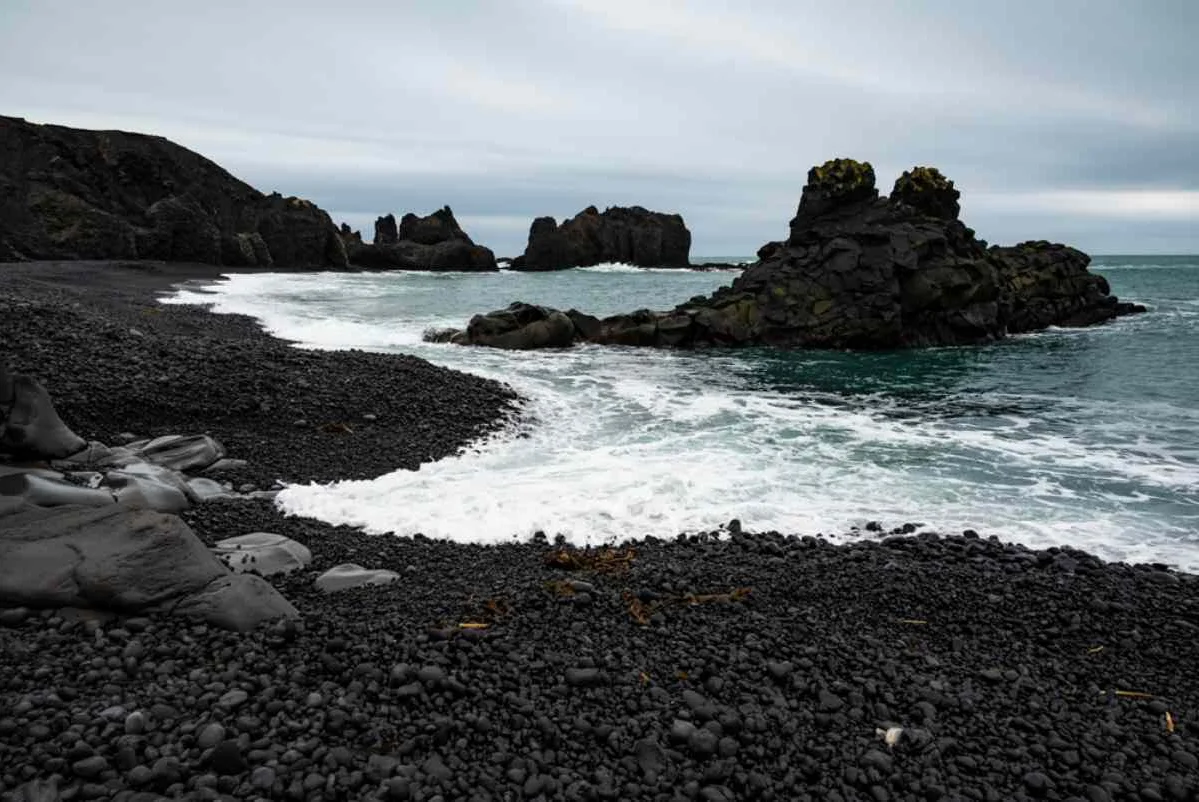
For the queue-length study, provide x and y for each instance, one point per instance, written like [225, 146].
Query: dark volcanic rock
[632, 235]
[386, 232]
[863, 272]
[298, 233]
[181, 231]
[836, 184]
[548, 248]
[349, 237]
[73, 194]
[860, 271]
[435, 242]
[520, 327]
[437, 227]
[1045, 284]
[929, 192]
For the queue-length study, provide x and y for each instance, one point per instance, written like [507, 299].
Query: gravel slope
[741, 667]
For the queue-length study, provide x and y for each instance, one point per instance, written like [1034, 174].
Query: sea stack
[860, 271]
[435, 242]
[632, 235]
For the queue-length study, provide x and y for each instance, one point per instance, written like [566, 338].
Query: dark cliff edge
[435, 242]
[67, 193]
[632, 235]
[858, 271]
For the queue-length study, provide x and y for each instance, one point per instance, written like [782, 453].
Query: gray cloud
[1071, 120]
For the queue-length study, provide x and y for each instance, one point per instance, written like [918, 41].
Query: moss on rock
[841, 177]
[836, 184]
[927, 190]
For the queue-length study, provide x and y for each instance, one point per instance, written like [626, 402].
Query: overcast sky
[1073, 120]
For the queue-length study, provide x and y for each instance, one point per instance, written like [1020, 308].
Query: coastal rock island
[858, 271]
[435, 242]
[67, 193]
[632, 235]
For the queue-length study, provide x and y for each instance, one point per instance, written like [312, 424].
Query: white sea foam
[622, 267]
[619, 443]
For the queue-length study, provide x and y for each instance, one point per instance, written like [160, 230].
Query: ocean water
[1086, 437]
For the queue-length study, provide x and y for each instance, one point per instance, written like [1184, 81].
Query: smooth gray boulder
[263, 552]
[207, 489]
[150, 487]
[182, 452]
[226, 465]
[51, 492]
[237, 602]
[32, 427]
[94, 453]
[11, 505]
[349, 575]
[121, 559]
[107, 558]
[119, 457]
[9, 470]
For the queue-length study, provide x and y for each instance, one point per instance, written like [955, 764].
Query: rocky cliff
[435, 242]
[67, 193]
[857, 271]
[631, 235]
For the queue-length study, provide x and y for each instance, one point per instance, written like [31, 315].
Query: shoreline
[115, 360]
[746, 666]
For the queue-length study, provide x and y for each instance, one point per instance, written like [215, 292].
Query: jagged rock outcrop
[632, 235]
[858, 271]
[349, 237]
[67, 193]
[386, 230]
[435, 242]
[433, 229]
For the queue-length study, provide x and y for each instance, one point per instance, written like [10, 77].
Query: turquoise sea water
[1083, 437]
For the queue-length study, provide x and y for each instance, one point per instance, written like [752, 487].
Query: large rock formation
[90, 531]
[858, 271]
[66, 193]
[435, 242]
[29, 425]
[631, 235]
[122, 559]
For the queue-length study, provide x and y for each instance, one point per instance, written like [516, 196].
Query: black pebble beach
[725, 666]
